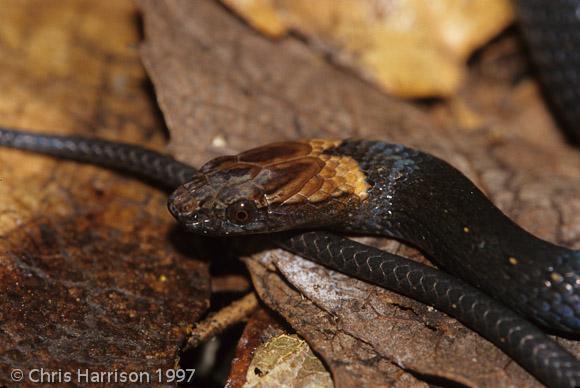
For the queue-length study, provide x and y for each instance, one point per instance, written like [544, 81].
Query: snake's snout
[182, 204]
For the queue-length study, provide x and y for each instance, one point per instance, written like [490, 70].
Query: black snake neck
[425, 201]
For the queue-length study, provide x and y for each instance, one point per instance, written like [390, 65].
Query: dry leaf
[286, 361]
[261, 327]
[411, 48]
[88, 276]
[216, 79]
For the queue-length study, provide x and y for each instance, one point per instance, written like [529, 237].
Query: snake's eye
[241, 212]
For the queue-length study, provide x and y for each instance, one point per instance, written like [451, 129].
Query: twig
[221, 320]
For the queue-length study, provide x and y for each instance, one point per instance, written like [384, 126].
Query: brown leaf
[410, 48]
[224, 89]
[261, 326]
[88, 276]
[351, 361]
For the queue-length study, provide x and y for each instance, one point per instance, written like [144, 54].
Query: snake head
[220, 203]
[281, 186]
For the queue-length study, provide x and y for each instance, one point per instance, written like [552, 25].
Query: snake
[301, 193]
[552, 33]
[372, 187]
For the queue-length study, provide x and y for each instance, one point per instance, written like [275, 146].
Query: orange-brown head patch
[299, 171]
[270, 188]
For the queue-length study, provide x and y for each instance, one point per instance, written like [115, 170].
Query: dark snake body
[161, 169]
[399, 171]
[423, 200]
[551, 29]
